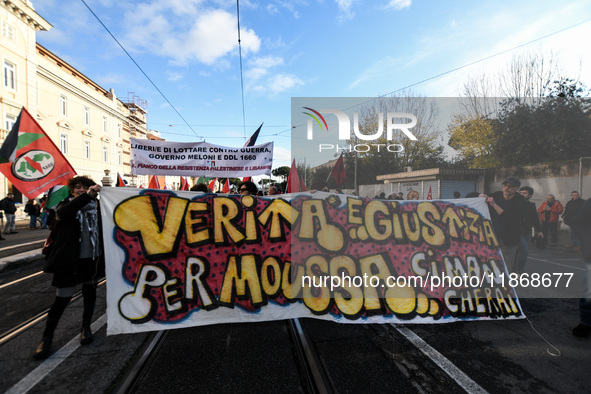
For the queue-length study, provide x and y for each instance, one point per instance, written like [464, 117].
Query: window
[105, 154]
[9, 75]
[86, 116]
[8, 32]
[86, 149]
[119, 130]
[9, 121]
[119, 157]
[104, 124]
[64, 143]
[63, 105]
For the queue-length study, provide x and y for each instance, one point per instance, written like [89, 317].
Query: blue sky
[298, 48]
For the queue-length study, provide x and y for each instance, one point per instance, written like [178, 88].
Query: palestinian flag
[30, 160]
[55, 195]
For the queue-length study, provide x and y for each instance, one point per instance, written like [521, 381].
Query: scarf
[89, 235]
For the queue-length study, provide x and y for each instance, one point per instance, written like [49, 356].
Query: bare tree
[423, 152]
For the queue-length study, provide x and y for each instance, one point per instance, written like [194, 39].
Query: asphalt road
[534, 354]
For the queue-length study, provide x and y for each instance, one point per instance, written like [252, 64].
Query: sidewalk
[23, 247]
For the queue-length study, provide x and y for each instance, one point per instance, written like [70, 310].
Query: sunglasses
[242, 190]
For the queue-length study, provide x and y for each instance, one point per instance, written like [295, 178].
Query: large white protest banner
[150, 157]
[179, 259]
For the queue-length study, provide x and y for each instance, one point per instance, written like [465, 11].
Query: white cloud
[187, 33]
[173, 76]
[260, 79]
[266, 61]
[290, 6]
[345, 11]
[272, 9]
[258, 67]
[399, 4]
[283, 82]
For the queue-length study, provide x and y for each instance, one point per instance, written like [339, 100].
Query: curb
[21, 258]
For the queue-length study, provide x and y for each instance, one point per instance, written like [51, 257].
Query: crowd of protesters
[76, 255]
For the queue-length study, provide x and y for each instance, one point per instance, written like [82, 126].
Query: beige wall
[41, 79]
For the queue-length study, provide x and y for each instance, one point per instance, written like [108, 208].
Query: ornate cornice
[25, 12]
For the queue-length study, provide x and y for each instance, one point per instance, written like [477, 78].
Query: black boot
[53, 317]
[42, 351]
[89, 294]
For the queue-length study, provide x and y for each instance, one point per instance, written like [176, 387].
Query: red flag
[338, 171]
[30, 160]
[154, 183]
[211, 185]
[303, 186]
[226, 188]
[184, 183]
[251, 141]
[120, 181]
[293, 181]
[430, 194]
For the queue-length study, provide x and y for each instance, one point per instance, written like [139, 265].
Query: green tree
[281, 172]
[553, 130]
[474, 137]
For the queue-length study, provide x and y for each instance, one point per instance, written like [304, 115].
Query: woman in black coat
[76, 256]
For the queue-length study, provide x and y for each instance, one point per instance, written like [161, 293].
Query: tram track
[313, 377]
[18, 329]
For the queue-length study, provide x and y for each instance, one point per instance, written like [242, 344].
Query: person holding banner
[581, 224]
[75, 256]
[507, 209]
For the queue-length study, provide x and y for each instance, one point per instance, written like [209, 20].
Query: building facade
[90, 125]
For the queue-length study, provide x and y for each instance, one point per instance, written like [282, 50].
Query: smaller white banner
[149, 157]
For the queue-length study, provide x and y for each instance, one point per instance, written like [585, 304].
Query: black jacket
[32, 210]
[531, 219]
[508, 225]
[8, 205]
[571, 209]
[581, 225]
[65, 253]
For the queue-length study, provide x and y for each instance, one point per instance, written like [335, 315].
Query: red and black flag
[120, 181]
[251, 141]
[338, 171]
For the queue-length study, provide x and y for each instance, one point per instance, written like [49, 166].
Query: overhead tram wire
[488, 57]
[143, 72]
[461, 67]
[241, 78]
